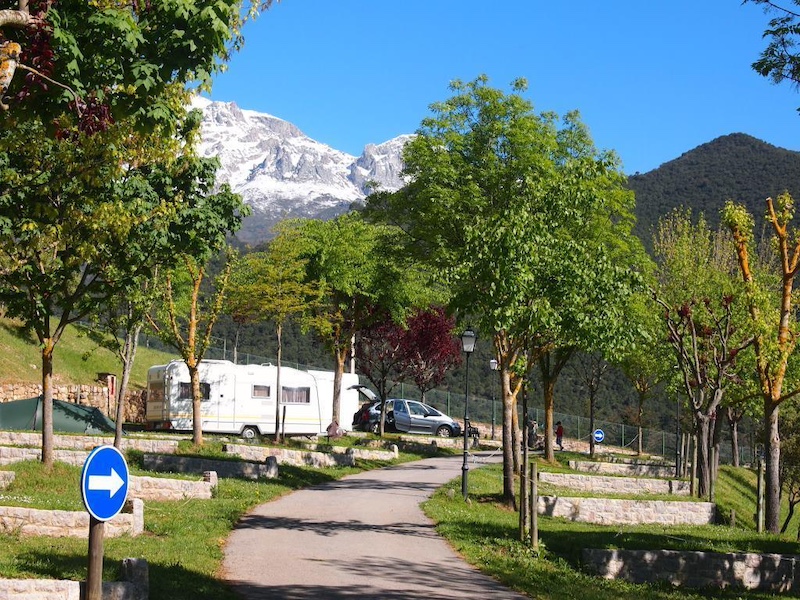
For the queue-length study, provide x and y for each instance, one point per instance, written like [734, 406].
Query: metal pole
[493, 404]
[465, 465]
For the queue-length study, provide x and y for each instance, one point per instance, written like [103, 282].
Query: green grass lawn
[486, 534]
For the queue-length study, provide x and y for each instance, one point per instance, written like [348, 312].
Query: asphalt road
[363, 536]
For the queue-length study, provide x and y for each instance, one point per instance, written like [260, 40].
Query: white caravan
[240, 399]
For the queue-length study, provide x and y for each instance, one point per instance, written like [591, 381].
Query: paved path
[363, 536]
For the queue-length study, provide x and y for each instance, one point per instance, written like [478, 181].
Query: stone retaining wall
[608, 511]
[298, 458]
[170, 463]
[63, 523]
[604, 484]
[161, 489]
[135, 585]
[763, 572]
[86, 442]
[10, 455]
[358, 453]
[631, 470]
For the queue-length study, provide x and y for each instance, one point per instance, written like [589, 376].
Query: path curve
[363, 536]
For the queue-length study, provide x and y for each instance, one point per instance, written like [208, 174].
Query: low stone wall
[135, 585]
[63, 523]
[608, 511]
[605, 484]
[358, 453]
[170, 463]
[6, 477]
[10, 455]
[763, 572]
[86, 442]
[630, 470]
[161, 489]
[298, 458]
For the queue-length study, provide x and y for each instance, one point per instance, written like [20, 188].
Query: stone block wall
[604, 484]
[63, 523]
[87, 395]
[161, 489]
[224, 468]
[86, 442]
[608, 511]
[359, 453]
[135, 585]
[630, 470]
[762, 572]
[10, 455]
[299, 458]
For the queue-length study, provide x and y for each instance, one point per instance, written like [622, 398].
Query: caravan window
[300, 395]
[186, 391]
[260, 391]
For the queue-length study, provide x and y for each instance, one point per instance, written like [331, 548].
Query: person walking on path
[363, 536]
[560, 435]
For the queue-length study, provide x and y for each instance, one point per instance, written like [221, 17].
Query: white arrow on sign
[112, 483]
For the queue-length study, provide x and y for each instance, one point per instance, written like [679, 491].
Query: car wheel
[444, 431]
[375, 427]
[250, 433]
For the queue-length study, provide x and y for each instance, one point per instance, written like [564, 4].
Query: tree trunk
[515, 437]
[548, 389]
[772, 482]
[716, 441]
[197, 416]
[278, 390]
[129, 355]
[734, 429]
[703, 466]
[48, 455]
[509, 497]
[341, 357]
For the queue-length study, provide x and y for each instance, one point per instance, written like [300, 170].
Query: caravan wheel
[250, 433]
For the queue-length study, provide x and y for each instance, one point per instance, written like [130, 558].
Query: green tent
[26, 415]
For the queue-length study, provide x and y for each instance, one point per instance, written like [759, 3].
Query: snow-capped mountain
[280, 172]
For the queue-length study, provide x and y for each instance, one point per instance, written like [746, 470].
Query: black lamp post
[493, 366]
[468, 345]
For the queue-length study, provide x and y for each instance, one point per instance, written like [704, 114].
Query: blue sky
[651, 78]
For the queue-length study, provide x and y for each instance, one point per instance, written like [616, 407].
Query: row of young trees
[100, 188]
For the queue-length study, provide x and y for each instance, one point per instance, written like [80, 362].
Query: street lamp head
[468, 340]
[493, 364]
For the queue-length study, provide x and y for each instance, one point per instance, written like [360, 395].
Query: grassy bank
[486, 533]
[78, 358]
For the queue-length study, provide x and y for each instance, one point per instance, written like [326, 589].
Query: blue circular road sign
[599, 436]
[104, 482]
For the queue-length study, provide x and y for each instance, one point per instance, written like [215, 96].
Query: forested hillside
[733, 167]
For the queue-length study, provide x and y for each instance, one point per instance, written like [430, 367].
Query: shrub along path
[363, 536]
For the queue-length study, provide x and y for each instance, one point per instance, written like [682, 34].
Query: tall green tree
[358, 268]
[271, 286]
[517, 212]
[773, 319]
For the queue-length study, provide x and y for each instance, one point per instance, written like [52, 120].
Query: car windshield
[432, 411]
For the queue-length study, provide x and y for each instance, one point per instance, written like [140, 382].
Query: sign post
[104, 489]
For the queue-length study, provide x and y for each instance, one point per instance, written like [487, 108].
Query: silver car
[412, 416]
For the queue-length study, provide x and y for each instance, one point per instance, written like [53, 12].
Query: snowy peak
[280, 172]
